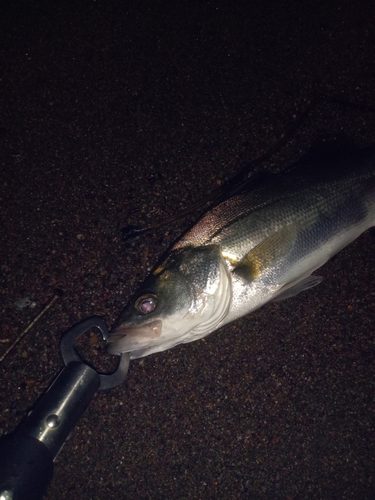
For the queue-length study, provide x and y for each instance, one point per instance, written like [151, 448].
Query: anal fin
[294, 288]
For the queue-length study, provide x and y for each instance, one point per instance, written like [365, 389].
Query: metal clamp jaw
[69, 353]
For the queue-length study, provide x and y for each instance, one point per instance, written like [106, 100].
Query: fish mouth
[128, 339]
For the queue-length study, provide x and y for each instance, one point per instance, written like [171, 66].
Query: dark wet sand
[117, 113]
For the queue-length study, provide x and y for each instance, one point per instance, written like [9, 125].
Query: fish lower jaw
[124, 339]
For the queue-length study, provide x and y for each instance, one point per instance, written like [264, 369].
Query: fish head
[182, 300]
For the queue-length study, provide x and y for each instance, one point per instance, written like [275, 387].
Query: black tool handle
[26, 456]
[26, 468]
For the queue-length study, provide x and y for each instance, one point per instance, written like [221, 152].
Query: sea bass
[258, 246]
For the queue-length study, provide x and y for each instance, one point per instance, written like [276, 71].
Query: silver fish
[258, 246]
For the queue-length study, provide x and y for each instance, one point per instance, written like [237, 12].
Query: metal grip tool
[27, 454]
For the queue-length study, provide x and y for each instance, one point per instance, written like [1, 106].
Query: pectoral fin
[264, 255]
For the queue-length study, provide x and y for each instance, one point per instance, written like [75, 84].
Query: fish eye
[146, 304]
